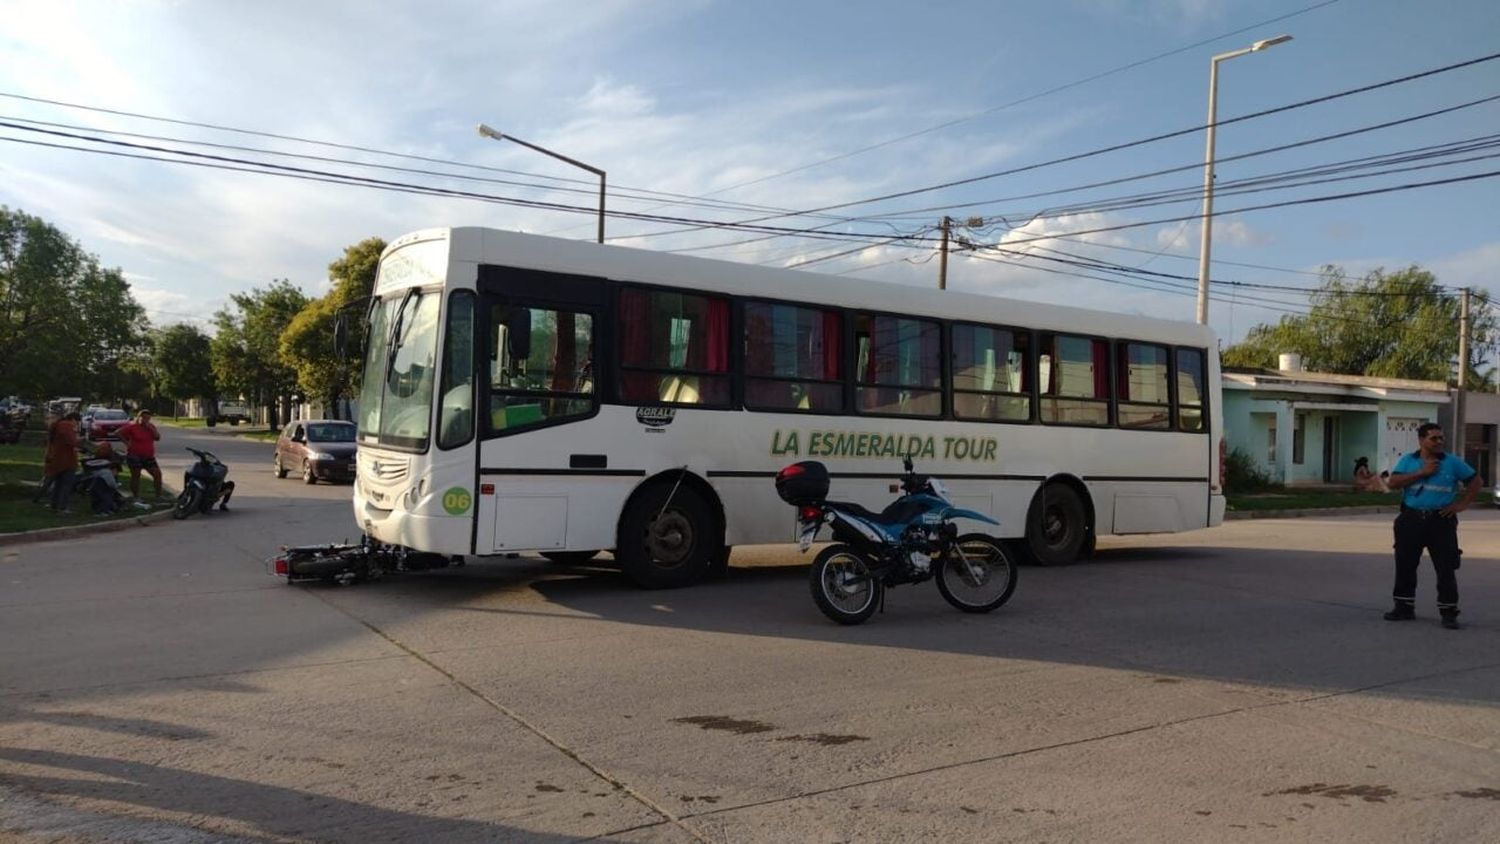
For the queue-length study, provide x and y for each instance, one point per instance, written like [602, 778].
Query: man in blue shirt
[1430, 481]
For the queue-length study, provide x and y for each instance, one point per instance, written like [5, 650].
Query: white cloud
[1475, 268]
[1227, 231]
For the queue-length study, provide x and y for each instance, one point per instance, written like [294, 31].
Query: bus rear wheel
[668, 539]
[1059, 530]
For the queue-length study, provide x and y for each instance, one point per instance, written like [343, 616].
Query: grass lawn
[1308, 500]
[249, 432]
[21, 470]
[261, 436]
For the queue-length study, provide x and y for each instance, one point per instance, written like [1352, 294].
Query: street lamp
[487, 132]
[1208, 166]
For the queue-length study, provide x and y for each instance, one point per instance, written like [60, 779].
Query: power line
[266, 168]
[618, 193]
[229, 163]
[1022, 100]
[1197, 165]
[1114, 147]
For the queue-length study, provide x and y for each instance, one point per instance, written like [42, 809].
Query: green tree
[245, 348]
[307, 343]
[182, 364]
[67, 325]
[1392, 325]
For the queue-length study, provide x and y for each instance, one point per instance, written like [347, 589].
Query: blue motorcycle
[912, 540]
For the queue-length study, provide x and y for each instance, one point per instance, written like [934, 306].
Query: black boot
[1450, 619]
[1402, 611]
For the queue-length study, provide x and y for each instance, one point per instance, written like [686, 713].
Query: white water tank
[1289, 362]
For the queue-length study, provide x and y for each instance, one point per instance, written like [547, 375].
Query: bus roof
[493, 246]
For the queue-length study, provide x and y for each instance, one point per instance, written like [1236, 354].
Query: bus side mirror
[340, 336]
[518, 333]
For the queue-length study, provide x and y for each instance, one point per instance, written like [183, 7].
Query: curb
[1319, 511]
[71, 531]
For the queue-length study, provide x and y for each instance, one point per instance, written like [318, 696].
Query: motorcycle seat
[856, 510]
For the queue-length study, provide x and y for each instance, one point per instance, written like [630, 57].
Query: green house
[1307, 428]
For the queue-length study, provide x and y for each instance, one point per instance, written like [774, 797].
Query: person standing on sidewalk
[140, 439]
[1430, 482]
[61, 461]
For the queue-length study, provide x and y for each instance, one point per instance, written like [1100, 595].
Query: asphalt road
[1238, 683]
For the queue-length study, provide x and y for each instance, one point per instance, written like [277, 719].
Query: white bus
[530, 394]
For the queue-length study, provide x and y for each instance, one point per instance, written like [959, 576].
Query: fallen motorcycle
[351, 562]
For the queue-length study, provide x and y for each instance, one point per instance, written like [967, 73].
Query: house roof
[1331, 384]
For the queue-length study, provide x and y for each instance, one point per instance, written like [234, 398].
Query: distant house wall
[1307, 428]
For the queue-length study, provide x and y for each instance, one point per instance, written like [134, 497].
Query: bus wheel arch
[671, 531]
[1060, 523]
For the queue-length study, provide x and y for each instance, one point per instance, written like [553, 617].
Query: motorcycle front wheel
[188, 503]
[842, 586]
[976, 575]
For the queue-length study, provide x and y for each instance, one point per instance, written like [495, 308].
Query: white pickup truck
[233, 412]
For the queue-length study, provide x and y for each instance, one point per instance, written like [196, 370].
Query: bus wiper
[393, 341]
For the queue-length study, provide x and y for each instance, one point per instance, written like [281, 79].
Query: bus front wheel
[668, 538]
[1059, 529]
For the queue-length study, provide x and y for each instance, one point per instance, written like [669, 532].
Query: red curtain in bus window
[717, 342]
[1122, 372]
[832, 332]
[932, 355]
[758, 354]
[1101, 369]
[634, 319]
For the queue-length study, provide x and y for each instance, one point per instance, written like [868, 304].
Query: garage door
[1400, 438]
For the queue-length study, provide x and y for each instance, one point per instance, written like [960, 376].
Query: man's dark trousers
[1419, 529]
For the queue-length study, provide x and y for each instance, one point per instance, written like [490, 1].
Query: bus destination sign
[869, 444]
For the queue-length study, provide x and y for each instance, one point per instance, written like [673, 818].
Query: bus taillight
[1223, 464]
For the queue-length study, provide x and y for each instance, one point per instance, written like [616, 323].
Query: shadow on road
[1278, 618]
[268, 809]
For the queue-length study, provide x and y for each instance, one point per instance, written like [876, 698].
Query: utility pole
[1456, 436]
[943, 257]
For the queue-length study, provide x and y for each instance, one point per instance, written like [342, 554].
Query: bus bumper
[1216, 506]
[433, 534]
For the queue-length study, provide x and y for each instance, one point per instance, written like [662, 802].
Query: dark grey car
[318, 449]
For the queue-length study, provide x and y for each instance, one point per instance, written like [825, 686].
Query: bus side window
[456, 406]
[1190, 370]
[1141, 385]
[541, 369]
[899, 366]
[1074, 380]
[673, 348]
[792, 358]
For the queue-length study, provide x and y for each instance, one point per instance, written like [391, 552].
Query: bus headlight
[414, 493]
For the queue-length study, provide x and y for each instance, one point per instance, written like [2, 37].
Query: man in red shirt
[140, 439]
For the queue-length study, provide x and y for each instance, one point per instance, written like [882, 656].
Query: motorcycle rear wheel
[976, 575]
[188, 503]
[842, 586]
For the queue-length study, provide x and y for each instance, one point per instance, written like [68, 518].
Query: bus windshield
[395, 399]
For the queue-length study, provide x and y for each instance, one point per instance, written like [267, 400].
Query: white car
[233, 412]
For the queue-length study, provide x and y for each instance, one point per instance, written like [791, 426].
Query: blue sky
[762, 104]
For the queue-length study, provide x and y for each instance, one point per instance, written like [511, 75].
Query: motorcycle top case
[802, 483]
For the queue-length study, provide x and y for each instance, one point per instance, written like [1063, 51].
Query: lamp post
[1208, 166]
[487, 132]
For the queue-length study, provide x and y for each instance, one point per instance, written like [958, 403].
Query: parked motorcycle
[912, 540]
[203, 484]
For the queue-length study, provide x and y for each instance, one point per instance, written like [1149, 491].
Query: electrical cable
[1120, 146]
